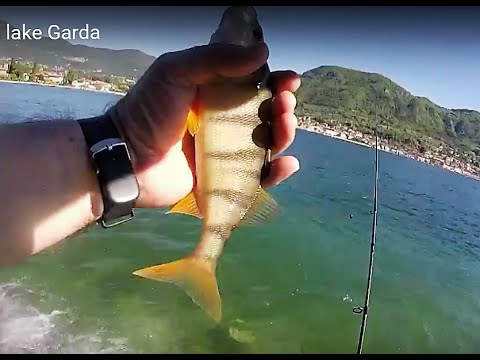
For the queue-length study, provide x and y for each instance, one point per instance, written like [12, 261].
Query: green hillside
[344, 96]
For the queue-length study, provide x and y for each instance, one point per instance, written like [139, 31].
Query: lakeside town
[39, 74]
[443, 156]
[30, 72]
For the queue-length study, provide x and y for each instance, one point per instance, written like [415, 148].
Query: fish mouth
[239, 26]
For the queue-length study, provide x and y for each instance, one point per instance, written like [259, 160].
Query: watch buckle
[108, 145]
[117, 222]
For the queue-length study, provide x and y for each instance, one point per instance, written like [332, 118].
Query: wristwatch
[113, 166]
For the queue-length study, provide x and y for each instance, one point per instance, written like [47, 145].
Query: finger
[284, 80]
[199, 64]
[284, 103]
[281, 168]
[284, 124]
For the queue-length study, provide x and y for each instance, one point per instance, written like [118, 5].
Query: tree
[11, 66]
[34, 71]
[16, 70]
[70, 77]
[13, 76]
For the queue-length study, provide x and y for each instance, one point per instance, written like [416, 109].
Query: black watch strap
[112, 162]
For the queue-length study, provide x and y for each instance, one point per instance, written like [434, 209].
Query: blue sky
[432, 52]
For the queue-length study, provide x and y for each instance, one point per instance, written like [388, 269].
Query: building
[50, 78]
[91, 85]
[4, 68]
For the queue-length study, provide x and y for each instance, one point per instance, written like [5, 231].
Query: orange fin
[193, 119]
[196, 277]
[187, 206]
[263, 209]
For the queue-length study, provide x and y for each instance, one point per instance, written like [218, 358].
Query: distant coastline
[61, 86]
[404, 153]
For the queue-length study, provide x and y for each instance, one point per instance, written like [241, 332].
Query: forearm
[48, 188]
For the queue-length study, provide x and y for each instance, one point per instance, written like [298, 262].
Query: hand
[152, 117]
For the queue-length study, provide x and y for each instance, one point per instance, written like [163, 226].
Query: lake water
[290, 284]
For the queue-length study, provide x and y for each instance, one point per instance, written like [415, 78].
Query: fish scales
[227, 159]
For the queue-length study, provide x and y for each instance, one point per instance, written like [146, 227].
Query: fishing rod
[364, 309]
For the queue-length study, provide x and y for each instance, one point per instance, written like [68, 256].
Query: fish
[231, 126]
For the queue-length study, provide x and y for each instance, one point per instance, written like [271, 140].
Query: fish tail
[196, 276]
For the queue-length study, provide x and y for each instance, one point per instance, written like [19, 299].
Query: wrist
[95, 194]
[110, 160]
[114, 115]
[93, 189]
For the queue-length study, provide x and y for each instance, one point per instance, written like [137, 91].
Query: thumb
[200, 64]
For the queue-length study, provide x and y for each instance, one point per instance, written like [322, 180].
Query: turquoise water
[291, 284]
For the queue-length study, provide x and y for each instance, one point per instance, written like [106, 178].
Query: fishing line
[364, 309]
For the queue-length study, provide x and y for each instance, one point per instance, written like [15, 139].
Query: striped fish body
[230, 156]
[232, 135]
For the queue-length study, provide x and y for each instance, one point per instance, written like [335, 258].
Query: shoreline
[404, 153]
[60, 87]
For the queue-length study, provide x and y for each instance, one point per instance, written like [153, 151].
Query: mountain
[129, 62]
[346, 96]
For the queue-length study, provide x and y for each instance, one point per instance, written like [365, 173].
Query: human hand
[152, 117]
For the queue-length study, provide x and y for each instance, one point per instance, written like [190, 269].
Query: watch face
[123, 189]
[117, 175]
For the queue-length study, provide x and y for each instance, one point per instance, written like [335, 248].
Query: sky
[430, 51]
